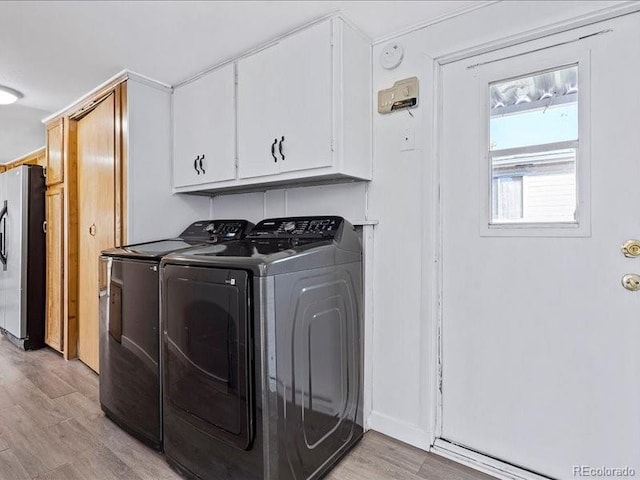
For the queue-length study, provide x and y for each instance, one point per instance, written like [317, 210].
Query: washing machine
[130, 392]
[262, 352]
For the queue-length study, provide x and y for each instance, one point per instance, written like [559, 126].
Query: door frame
[526, 42]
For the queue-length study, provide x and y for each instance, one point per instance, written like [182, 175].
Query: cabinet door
[55, 151]
[259, 108]
[204, 129]
[54, 199]
[304, 62]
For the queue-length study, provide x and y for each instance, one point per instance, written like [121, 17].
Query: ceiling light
[8, 95]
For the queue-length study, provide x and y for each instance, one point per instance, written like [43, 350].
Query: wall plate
[403, 94]
[391, 56]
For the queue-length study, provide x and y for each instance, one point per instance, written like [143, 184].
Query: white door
[539, 189]
[259, 109]
[204, 129]
[305, 65]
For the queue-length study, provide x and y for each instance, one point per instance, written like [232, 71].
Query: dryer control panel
[297, 227]
[206, 230]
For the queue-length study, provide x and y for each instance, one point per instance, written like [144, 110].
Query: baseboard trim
[399, 429]
[482, 463]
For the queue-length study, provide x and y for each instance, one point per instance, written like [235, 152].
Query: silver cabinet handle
[44, 227]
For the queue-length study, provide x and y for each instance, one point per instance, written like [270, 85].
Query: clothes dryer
[262, 352]
[130, 392]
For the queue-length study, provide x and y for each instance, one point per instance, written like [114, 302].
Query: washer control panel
[206, 230]
[297, 227]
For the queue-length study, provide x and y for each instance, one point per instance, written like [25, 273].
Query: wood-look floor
[52, 428]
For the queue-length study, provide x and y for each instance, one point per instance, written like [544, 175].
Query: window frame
[533, 63]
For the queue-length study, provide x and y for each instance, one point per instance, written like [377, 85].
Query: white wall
[401, 198]
[153, 211]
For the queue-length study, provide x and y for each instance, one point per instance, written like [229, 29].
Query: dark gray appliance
[262, 352]
[22, 256]
[130, 392]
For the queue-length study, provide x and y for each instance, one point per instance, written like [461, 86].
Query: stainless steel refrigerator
[22, 256]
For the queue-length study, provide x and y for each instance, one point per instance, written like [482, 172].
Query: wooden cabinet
[54, 204]
[204, 129]
[303, 112]
[115, 153]
[55, 149]
[285, 105]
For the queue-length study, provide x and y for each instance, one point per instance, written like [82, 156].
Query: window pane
[534, 110]
[534, 187]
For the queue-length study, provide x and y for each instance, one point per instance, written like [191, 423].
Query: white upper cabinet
[285, 103]
[204, 129]
[303, 113]
[258, 107]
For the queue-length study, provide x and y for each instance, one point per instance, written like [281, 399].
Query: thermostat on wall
[403, 94]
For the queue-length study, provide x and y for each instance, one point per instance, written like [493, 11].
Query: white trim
[368, 279]
[398, 429]
[25, 155]
[436, 257]
[434, 21]
[607, 13]
[120, 76]
[482, 463]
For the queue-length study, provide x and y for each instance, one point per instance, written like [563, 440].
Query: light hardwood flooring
[52, 428]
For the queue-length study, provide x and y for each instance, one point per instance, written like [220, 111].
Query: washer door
[207, 369]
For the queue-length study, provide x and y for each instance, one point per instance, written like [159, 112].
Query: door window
[536, 148]
[533, 141]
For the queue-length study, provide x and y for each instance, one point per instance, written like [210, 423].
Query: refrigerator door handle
[3, 236]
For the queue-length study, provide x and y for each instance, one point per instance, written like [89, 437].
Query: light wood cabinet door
[54, 330]
[204, 129]
[96, 141]
[55, 153]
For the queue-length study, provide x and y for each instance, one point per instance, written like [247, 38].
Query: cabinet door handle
[195, 164]
[201, 167]
[280, 148]
[44, 227]
[273, 150]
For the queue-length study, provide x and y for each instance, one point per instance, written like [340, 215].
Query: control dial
[210, 228]
[289, 226]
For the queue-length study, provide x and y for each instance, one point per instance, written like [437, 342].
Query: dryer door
[207, 369]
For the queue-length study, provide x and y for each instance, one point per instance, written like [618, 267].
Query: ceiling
[56, 51]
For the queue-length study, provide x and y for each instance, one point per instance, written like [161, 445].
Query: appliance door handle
[280, 148]
[3, 235]
[195, 164]
[273, 150]
[201, 167]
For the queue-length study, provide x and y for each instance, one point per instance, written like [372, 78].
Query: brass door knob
[92, 230]
[631, 281]
[631, 248]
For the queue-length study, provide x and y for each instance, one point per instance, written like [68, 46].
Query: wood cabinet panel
[96, 217]
[54, 202]
[55, 153]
